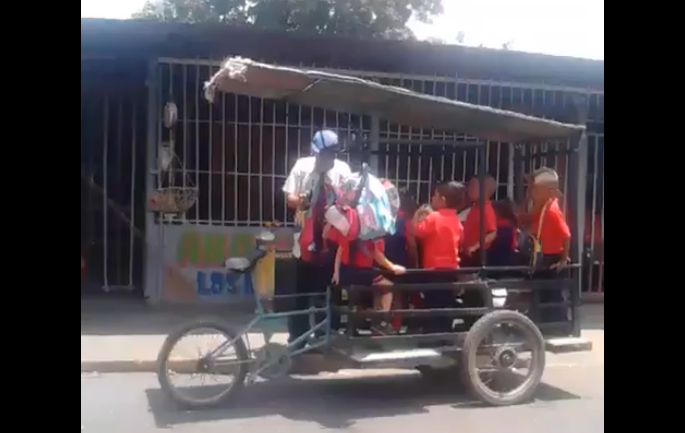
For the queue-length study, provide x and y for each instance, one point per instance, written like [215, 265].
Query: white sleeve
[343, 171]
[293, 184]
[346, 170]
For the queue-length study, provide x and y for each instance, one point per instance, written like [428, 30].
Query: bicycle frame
[293, 348]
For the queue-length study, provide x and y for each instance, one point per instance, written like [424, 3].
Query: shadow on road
[332, 403]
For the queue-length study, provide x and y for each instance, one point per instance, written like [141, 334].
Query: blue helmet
[324, 139]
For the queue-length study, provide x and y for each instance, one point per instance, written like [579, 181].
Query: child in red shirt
[548, 221]
[471, 244]
[440, 233]
[551, 229]
[354, 264]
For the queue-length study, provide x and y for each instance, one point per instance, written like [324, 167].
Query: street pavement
[571, 400]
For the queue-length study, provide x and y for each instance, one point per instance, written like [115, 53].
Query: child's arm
[382, 261]
[490, 229]
[557, 222]
[336, 266]
[412, 247]
[423, 227]
[565, 253]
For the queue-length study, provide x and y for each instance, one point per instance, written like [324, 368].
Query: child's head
[448, 195]
[544, 185]
[504, 209]
[408, 204]
[474, 188]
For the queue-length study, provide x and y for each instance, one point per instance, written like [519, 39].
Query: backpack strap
[362, 184]
[542, 217]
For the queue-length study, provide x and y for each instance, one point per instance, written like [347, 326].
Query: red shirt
[440, 234]
[472, 224]
[554, 228]
[362, 256]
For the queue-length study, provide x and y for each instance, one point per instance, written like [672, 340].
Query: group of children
[435, 238]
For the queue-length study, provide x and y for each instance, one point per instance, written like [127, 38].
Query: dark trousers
[310, 278]
[553, 314]
[435, 299]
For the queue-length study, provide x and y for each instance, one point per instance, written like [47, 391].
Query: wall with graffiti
[193, 266]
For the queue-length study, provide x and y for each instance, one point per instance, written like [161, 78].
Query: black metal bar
[549, 305]
[555, 326]
[533, 285]
[436, 151]
[482, 167]
[519, 186]
[577, 179]
[460, 271]
[352, 301]
[546, 154]
[576, 205]
[530, 285]
[436, 312]
[457, 336]
[421, 287]
[417, 141]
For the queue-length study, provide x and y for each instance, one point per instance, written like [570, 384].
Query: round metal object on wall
[170, 114]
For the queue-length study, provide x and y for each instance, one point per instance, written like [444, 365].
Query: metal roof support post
[374, 144]
[153, 261]
[510, 171]
[576, 202]
[519, 195]
[482, 167]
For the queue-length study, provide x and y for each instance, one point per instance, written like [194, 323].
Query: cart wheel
[502, 338]
[195, 362]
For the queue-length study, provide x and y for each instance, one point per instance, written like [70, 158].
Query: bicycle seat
[245, 264]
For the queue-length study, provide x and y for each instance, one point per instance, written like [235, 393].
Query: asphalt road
[570, 401]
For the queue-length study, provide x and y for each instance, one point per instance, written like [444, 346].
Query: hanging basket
[173, 200]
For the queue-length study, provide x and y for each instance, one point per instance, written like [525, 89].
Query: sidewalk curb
[132, 366]
[118, 366]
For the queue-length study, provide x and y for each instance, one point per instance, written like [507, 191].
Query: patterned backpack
[375, 201]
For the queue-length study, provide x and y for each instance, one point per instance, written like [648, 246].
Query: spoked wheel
[503, 358]
[209, 380]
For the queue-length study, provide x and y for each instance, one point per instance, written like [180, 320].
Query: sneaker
[383, 328]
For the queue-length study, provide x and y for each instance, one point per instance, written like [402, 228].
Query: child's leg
[383, 298]
[438, 299]
[553, 314]
[383, 301]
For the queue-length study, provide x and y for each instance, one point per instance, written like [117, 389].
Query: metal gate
[254, 142]
[112, 180]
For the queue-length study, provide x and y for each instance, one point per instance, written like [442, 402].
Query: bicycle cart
[499, 356]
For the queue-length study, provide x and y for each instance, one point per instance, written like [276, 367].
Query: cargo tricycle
[496, 349]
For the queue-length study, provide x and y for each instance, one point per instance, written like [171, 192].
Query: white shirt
[303, 178]
[464, 214]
